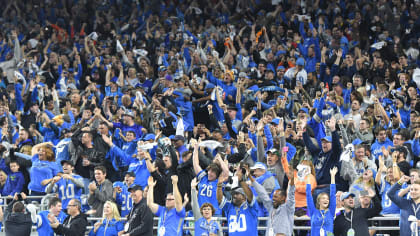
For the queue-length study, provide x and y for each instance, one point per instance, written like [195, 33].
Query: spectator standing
[207, 185]
[17, 219]
[241, 212]
[111, 223]
[280, 210]
[15, 180]
[68, 185]
[140, 218]
[100, 191]
[74, 224]
[354, 221]
[203, 215]
[171, 217]
[42, 222]
[322, 215]
[409, 217]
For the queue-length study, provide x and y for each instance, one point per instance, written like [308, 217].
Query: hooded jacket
[17, 223]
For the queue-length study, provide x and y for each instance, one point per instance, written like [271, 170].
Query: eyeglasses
[170, 199]
[71, 205]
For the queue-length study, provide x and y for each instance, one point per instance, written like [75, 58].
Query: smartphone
[285, 149]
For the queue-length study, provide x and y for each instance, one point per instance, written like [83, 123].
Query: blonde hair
[115, 212]
[369, 184]
[318, 198]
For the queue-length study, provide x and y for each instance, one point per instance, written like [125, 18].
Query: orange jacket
[300, 194]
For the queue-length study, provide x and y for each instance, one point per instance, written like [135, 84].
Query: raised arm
[194, 200]
[150, 203]
[177, 194]
[196, 161]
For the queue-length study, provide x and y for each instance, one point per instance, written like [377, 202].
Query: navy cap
[135, 188]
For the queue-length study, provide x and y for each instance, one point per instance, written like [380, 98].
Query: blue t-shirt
[43, 224]
[207, 191]
[108, 228]
[40, 171]
[242, 221]
[202, 227]
[171, 220]
[388, 207]
[67, 190]
[125, 201]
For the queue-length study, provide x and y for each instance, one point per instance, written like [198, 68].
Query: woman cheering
[111, 223]
[322, 216]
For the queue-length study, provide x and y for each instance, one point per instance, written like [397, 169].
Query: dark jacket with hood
[17, 223]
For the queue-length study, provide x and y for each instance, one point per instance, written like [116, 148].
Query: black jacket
[359, 221]
[17, 223]
[73, 227]
[140, 220]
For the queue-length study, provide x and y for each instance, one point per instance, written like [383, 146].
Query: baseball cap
[259, 165]
[273, 150]
[243, 75]
[300, 61]
[128, 113]
[345, 195]
[135, 188]
[118, 184]
[239, 190]
[327, 138]
[275, 121]
[178, 137]
[304, 109]
[67, 162]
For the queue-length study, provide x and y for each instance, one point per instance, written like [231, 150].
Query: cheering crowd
[128, 110]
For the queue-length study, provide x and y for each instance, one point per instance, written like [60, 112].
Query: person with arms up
[410, 214]
[42, 222]
[171, 216]
[207, 179]
[68, 185]
[204, 225]
[140, 219]
[241, 212]
[111, 223]
[280, 211]
[17, 219]
[322, 215]
[74, 224]
[354, 221]
[100, 191]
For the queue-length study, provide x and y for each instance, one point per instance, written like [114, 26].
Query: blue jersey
[125, 201]
[202, 227]
[171, 221]
[67, 190]
[139, 168]
[41, 170]
[388, 207]
[242, 221]
[108, 228]
[43, 224]
[207, 191]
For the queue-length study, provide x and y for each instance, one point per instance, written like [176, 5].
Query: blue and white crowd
[125, 110]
